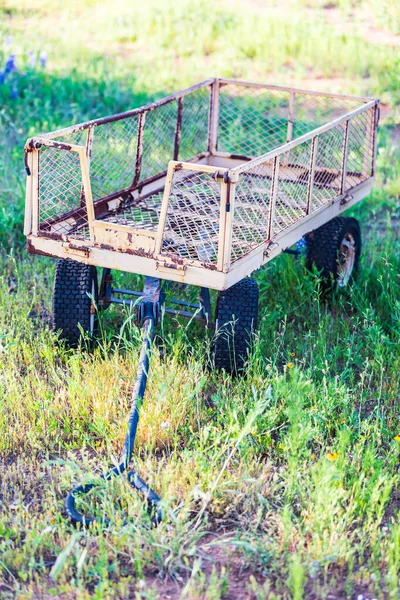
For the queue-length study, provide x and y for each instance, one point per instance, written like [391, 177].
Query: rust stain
[32, 250]
[209, 266]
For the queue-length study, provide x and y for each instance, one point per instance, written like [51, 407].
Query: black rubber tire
[236, 319]
[72, 305]
[323, 246]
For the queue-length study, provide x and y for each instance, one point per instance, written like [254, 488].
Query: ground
[280, 484]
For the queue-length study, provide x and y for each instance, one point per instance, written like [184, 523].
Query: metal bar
[377, 113]
[223, 208]
[127, 292]
[177, 140]
[29, 195]
[139, 149]
[89, 144]
[229, 220]
[289, 134]
[35, 191]
[205, 303]
[345, 155]
[303, 138]
[41, 140]
[183, 303]
[164, 207]
[369, 140]
[178, 165]
[139, 294]
[87, 191]
[293, 89]
[130, 113]
[171, 311]
[274, 191]
[310, 183]
[213, 117]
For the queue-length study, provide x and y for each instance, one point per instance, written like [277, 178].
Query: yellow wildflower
[332, 456]
[397, 438]
[290, 365]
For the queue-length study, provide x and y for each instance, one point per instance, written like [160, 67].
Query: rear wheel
[74, 310]
[334, 249]
[236, 320]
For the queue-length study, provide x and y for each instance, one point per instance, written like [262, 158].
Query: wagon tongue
[148, 312]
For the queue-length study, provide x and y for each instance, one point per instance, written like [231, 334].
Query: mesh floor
[192, 224]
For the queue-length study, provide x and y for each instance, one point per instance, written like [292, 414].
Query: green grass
[254, 504]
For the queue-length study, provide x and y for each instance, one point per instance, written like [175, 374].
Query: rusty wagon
[202, 187]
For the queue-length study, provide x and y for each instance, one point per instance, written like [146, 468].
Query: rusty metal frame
[124, 247]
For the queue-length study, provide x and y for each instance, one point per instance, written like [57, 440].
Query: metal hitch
[148, 312]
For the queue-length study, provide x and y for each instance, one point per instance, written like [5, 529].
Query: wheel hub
[346, 259]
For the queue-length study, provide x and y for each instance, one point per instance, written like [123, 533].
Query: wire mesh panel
[158, 139]
[311, 111]
[252, 120]
[308, 176]
[112, 156]
[60, 192]
[194, 127]
[328, 167]
[142, 214]
[192, 221]
[361, 148]
[251, 212]
[292, 189]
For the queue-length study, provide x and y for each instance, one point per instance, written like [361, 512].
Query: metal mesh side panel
[60, 186]
[310, 112]
[251, 216]
[192, 222]
[158, 139]
[252, 121]
[291, 194]
[361, 148]
[328, 166]
[194, 130]
[113, 156]
[293, 197]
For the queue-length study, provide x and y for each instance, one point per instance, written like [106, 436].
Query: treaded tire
[71, 304]
[323, 249]
[236, 319]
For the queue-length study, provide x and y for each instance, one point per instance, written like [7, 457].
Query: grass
[281, 484]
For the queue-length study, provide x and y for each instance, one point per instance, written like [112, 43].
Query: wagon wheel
[335, 250]
[74, 311]
[236, 319]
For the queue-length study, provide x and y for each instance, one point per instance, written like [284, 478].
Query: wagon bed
[203, 186]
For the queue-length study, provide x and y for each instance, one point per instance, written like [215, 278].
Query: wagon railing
[251, 163]
[273, 194]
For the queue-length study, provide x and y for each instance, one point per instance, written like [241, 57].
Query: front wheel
[236, 319]
[334, 249]
[75, 297]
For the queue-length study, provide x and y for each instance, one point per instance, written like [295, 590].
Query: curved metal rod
[135, 481]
